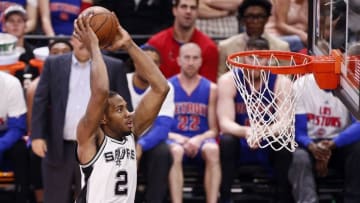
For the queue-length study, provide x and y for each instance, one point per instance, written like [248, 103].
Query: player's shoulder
[161, 35]
[225, 78]
[202, 39]
[8, 79]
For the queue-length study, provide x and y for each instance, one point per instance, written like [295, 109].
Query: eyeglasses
[255, 17]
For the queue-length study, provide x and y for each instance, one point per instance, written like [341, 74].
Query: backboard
[335, 24]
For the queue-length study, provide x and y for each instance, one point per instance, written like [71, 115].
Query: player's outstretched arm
[88, 126]
[150, 104]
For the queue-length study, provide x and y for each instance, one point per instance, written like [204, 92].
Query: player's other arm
[226, 108]
[213, 127]
[88, 126]
[150, 104]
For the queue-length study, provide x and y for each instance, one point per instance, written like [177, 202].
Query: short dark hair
[176, 2]
[258, 43]
[65, 41]
[262, 3]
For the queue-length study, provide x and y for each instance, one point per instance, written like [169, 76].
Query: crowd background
[211, 29]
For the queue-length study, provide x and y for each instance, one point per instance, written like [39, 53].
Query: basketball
[103, 23]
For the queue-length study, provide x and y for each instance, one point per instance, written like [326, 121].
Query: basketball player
[234, 124]
[106, 133]
[193, 133]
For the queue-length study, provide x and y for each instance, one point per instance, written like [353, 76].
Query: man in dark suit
[60, 100]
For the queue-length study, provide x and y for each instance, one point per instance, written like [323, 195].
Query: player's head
[189, 59]
[117, 119]
[256, 44]
[14, 20]
[255, 14]
[59, 46]
[80, 51]
[153, 53]
[185, 13]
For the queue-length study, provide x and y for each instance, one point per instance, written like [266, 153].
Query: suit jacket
[238, 42]
[51, 97]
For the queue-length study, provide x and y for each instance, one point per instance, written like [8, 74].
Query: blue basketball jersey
[63, 13]
[191, 111]
[242, 118]
[241, 115]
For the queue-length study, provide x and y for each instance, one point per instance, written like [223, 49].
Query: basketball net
[271, 109]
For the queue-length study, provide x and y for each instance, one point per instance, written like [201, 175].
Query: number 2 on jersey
[121, 184]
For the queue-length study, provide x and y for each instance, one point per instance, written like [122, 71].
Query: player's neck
[183, 35]
[189, 83]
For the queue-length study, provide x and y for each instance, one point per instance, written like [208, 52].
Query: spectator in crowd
[218, 18]
[15, 24]
[141, 16]
[234, 124]
[12, 129]
[254, 14]
[60, 100]
[193, 133]
[289, 21]
[328, 137]
[152, 152]
[57, 16]
[31, 7]
[169, 41]
[57, 47]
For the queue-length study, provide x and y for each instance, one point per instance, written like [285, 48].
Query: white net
[269, 99]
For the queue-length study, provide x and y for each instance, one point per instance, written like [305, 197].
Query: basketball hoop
[271, 108]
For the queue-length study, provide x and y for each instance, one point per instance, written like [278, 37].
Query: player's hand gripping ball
[104, 23]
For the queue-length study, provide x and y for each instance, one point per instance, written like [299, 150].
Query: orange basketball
[103, 23]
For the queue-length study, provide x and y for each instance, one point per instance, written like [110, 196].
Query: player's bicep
[226, 92]
[212, 108]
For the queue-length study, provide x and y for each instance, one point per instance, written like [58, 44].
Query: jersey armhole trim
[97, 155]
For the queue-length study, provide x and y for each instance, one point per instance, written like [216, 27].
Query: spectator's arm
[281, 14]
[44, 8]
[32, 13]
[301, 134]
[209, 67]
[229, 5]
[41, 103]
[158, 133]
[348, 136]
[206, 11]
[16, 129]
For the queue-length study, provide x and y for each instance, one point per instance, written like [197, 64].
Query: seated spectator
[218, 18]
[56, 47]
[15, 23]
[57, 16]
[13, 151]
[289, 21]
[31, 10]
[141, 16]
[193, 133]
[169, 41]
[152, 152]
[234, 125]
[329, 137]
[255, 14]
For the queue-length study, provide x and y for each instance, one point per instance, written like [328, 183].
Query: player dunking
[105, 134]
